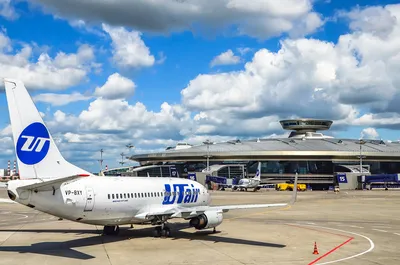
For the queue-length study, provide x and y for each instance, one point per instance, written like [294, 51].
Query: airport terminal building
[317, 158]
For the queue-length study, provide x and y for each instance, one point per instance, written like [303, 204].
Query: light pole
[130, 146]
[208, 143]
[361, 142]
[122, 159]
[101, 159]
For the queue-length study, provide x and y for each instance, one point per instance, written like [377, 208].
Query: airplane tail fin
[258, 173]
[37, 154]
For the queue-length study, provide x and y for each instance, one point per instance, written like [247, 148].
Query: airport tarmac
[351, 227]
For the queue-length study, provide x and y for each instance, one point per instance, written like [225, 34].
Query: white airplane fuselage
[112, 200]
[55, 186]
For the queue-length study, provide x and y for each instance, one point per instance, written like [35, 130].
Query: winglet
[294, 194]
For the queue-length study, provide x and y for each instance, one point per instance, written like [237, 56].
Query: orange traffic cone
[315, 249]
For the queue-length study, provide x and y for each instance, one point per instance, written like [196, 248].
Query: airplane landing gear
[111, 230]
[162, 231]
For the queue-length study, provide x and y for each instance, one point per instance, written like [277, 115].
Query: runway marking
[372, 245]
[379, 230]
[354, 226]
[331, 251]
[397, 234]
[382, 226]
[317, 230]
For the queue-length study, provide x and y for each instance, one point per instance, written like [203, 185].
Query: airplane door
[89, 200]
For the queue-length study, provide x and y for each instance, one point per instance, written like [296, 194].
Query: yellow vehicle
[290, 186]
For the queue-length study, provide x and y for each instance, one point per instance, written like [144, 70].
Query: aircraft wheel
[111, 230]
[157, 231]
[165, 232]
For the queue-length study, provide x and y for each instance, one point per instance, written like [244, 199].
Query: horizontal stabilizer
[50, 184]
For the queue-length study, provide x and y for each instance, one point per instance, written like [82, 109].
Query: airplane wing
[177, 211]
[50, 185]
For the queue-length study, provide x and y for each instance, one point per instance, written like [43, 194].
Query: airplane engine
[209, 219]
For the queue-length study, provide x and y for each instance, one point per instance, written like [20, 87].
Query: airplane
[50, 184]
[250, 183]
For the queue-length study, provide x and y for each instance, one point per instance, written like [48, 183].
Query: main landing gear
[162, 231]
[111, 230]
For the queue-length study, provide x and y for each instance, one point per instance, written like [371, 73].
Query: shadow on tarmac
[65, 248]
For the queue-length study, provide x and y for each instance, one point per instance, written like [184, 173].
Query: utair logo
[33, 144]
[182, 193]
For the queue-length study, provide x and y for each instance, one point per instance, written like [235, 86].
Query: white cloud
[305, 78]
[225, 58]
[376, 20]
[347, 81]
[6, 131]
[261, 18]
[116, 87]
[58, 73]
[7, 10]
[129, 48]
[244, 50]
[369, 133]
[60, 99]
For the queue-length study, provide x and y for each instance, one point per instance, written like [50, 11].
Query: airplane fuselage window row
[146, 195]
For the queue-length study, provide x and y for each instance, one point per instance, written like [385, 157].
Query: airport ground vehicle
[290, 186]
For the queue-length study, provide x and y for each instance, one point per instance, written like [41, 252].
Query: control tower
[306, 128]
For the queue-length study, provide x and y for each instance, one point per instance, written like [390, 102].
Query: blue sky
[224, 69]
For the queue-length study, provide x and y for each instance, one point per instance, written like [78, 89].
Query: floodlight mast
[208, 143]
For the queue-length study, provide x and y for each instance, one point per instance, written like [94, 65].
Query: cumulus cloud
[377, 20]
[347, 81]
[306, 78]
[225, 58]
[261, 19]
[58, 73]
[369, 133]
[116, 87]
[60, 99]
[129, 50]
[7, 10]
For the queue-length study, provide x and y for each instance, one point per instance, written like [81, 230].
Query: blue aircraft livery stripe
[180, 193]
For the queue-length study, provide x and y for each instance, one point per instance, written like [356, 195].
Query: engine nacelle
[209, 219]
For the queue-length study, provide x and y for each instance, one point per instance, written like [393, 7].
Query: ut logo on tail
[33, 144]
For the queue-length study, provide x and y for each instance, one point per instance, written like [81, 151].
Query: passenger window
[128, 195]
[112, 196]
[151, 194]
[120, 195]
[108, 195]
[135, 195]
[124, 195]
[116, 195]
[132, 195]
